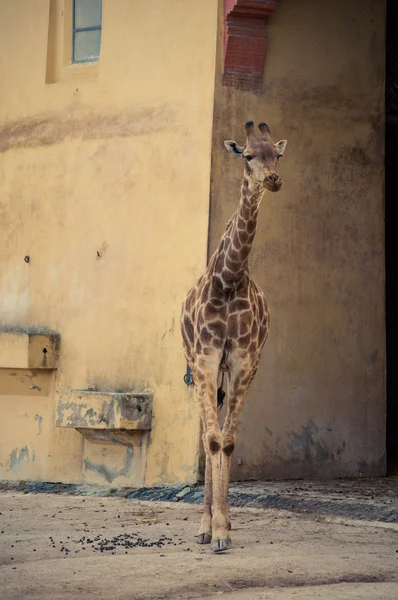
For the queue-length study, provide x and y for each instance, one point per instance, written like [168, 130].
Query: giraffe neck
[232, 255]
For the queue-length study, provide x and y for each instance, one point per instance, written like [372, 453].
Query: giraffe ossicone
[224, 325]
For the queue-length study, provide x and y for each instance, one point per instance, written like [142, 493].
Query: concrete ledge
[29, 350]
[86, 410]
[371, 500]
[134, 438]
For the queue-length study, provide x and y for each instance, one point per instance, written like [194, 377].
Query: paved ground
[57, 547]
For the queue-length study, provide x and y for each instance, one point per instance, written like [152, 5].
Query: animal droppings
[123, 540]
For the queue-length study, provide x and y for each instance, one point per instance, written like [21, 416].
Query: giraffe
[224, 326]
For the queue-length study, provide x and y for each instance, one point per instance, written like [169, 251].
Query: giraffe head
[260, 155]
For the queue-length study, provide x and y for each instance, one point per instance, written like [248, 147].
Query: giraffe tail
[220, 398]
[220, 394]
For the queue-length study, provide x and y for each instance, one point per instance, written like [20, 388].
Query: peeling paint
[39, 420]
[104, 410]
[111, 474]
[75, 417]
[35, 387]
[107, 414]
[16, 460]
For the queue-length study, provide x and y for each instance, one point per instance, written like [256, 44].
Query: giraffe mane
[228, 225]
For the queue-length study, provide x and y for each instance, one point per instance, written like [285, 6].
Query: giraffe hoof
[221, 545]
[203, 538]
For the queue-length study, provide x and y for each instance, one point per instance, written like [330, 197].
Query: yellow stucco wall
[114, 161]
[317, 405]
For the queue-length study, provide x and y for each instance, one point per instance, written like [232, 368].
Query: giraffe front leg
[226, 459]
[221, 539]
[239, 381]
[207, 375]
[204, 534]
[221, 518]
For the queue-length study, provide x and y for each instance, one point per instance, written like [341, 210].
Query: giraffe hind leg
[204, 535]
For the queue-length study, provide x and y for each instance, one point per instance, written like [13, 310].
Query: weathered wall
[317, 405]
[104, 184]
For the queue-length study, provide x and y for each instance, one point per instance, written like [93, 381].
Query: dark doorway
[391, 216]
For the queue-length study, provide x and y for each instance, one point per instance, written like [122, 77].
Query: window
[86, 32]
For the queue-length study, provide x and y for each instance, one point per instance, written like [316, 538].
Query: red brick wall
[245, 42]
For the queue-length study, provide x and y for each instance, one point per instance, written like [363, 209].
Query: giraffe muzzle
[273, 182]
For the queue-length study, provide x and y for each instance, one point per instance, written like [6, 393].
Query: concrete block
[85, 409]
[29, 350]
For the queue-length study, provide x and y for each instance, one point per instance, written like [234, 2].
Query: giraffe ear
[233, 147]
[281, 145]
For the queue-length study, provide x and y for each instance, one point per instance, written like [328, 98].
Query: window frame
[80, 29]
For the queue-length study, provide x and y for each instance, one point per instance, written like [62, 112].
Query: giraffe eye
[248, 157]
[278, 157]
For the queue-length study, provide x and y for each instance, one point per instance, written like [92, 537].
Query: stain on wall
[51, 128]
[110, 474]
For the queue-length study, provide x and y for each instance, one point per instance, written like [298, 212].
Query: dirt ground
[56, 547]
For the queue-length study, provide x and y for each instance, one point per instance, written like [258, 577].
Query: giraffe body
[224, 324]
